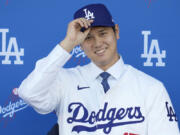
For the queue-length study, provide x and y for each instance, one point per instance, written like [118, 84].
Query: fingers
[84, 22]
[87, 31]
[74, 35]
[80, 23]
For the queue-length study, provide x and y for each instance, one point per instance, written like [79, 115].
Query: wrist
[67, 45]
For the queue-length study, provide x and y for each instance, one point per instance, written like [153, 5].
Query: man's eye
[88, 38]
[103, 33]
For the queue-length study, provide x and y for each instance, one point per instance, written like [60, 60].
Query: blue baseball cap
[98, 12]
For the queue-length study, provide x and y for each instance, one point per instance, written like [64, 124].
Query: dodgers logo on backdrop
[77, 52]
[89, 15]
[14, 105]
[7, 52]
[154, 47]
[105, 118]
[12, 108]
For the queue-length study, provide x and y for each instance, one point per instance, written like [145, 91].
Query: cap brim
[98, 25]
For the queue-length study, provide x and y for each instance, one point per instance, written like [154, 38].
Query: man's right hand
[74, 36]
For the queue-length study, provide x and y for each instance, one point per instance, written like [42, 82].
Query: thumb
[86, 32]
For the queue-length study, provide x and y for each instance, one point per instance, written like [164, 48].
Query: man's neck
[107, 66]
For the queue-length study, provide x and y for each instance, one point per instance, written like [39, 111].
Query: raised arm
[42, 89]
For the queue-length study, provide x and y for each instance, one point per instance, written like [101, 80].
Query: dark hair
[113, 27]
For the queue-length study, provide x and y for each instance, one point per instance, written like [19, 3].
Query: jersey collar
[115, 70]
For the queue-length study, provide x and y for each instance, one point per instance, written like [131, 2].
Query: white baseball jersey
[135, 104]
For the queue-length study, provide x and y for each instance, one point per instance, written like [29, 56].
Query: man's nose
[98, 42]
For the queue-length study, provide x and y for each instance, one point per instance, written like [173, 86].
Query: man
[103, 97]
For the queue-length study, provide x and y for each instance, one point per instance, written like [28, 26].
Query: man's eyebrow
[101, 30]
[89, 34]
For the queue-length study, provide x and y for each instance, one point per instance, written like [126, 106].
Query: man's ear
[117, 31]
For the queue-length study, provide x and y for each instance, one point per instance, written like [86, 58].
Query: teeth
[100, 51]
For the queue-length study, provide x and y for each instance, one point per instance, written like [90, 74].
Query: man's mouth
[100, 51]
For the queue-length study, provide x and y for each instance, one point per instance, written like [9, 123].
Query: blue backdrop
[30, 29]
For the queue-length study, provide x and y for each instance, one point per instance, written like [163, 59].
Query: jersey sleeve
[161, 116]
[42, 89]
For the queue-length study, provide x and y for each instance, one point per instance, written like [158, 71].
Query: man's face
[100, 46]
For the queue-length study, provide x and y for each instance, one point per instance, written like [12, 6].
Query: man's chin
[101, 63]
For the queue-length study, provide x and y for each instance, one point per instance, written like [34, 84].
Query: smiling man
[105, 96]
[100, 46]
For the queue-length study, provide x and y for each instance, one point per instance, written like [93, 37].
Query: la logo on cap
[89, 15]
